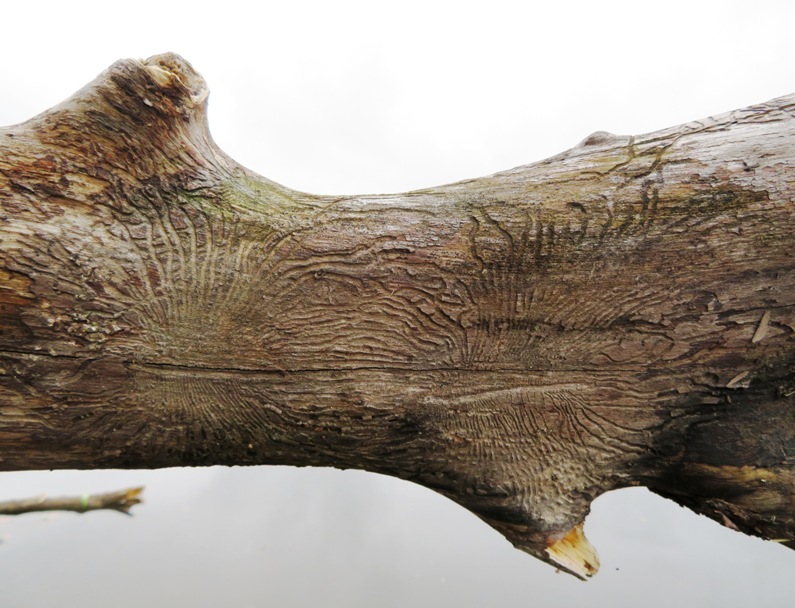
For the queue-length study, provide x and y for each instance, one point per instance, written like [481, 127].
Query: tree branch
[620, 314]
[122, 501]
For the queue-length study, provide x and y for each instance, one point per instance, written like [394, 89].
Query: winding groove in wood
[620, 314]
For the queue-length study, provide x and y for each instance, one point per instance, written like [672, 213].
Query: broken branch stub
[620, 314]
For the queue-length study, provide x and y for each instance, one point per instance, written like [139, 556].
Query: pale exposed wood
[121, 500]
[620, 314]
[574, 553]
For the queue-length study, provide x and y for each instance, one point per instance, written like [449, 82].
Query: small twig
[121, 501]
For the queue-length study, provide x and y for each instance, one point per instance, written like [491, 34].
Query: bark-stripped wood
[121, 501]
[620, 314]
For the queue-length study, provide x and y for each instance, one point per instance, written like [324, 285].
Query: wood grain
[620, 314]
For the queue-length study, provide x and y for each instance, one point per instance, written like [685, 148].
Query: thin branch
[121, 501]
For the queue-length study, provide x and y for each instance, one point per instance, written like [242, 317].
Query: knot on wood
[165, 84]
[174, 73]
[145, 117]
[598, 138]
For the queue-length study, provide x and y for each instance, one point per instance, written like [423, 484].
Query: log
[621, 314]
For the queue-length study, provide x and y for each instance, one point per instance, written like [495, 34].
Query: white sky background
[355, 97]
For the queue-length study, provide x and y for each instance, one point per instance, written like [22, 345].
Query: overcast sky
[354, 97]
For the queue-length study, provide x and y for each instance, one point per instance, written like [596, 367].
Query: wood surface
[620, 314]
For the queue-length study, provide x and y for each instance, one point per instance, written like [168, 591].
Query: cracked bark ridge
[620, 314]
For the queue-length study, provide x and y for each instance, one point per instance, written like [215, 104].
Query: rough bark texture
[620, 314]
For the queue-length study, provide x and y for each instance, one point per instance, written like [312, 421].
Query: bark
[121, 501]
[621, 314]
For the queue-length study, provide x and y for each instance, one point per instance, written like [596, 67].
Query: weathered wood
[120, 500]
[620, 314]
